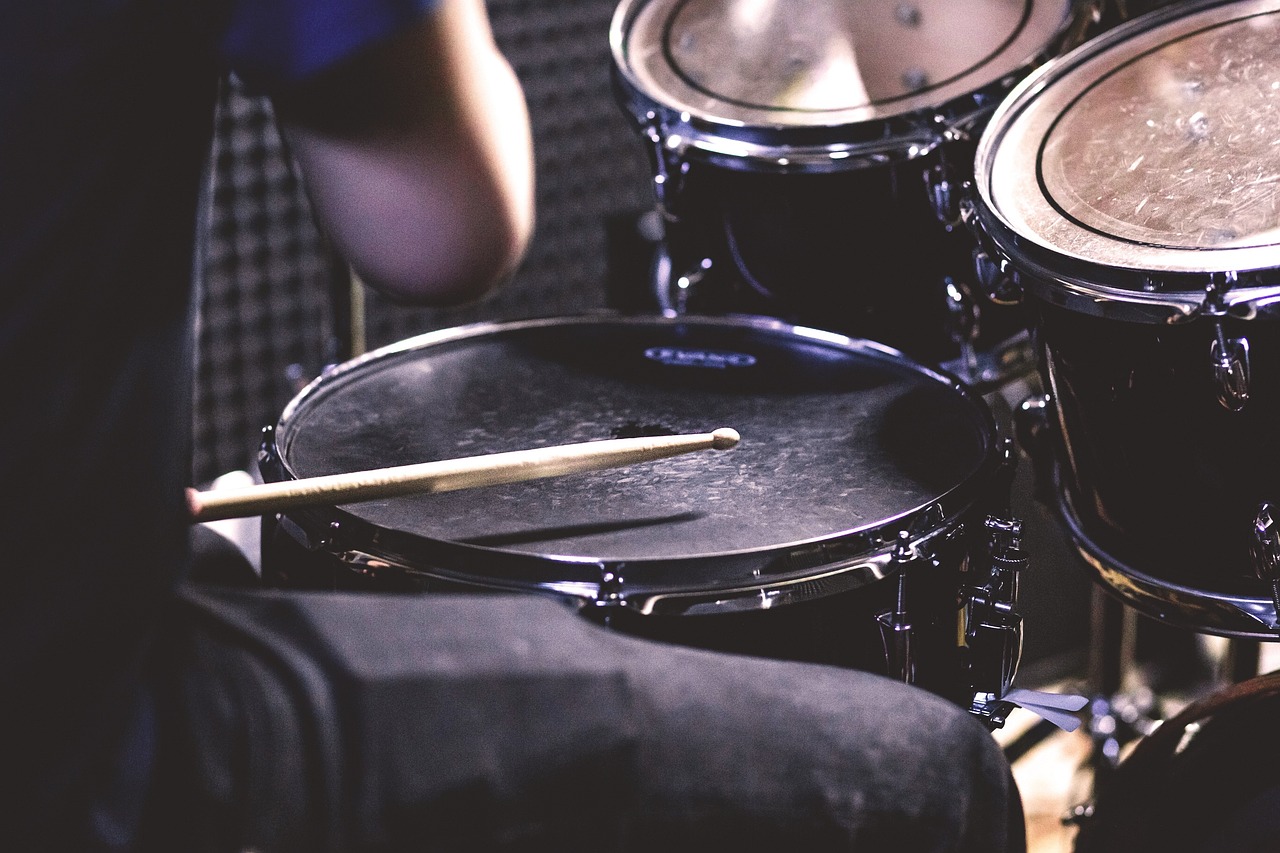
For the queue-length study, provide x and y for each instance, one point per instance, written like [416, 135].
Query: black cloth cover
[306, 721]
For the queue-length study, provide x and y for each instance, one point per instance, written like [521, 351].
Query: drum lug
[963, 315]
[942, 193]
[674, 294]
[669, 166]
[895, 625]
[267, 457]
[1031, 422]
[609, 593]
[997, 279]
[1264, 547]
[1230, 357]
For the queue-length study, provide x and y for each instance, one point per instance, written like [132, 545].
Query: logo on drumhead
[678, 357]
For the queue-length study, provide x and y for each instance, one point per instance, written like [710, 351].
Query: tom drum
[1130, 190]
[808, 157]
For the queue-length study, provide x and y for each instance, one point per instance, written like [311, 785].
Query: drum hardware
[992, 627]
[669, 165]
[945, 185]
[674, 301]
[895, 625]
[1230, 358]
[963, 316]
[1266, 552]
[946, 204]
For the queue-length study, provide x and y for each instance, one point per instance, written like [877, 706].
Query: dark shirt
[105, 119]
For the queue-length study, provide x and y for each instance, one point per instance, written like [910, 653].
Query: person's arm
[417, 155]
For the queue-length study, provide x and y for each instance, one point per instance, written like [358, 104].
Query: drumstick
[449, 474]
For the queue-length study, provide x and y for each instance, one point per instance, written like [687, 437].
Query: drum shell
[1161, 473]
[861, 252]
[837, 629]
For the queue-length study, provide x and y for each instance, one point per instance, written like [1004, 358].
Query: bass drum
[1128, 190]
[867, 496]
[808, 158]
[1203, 782]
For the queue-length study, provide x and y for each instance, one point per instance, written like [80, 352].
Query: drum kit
[874, 215]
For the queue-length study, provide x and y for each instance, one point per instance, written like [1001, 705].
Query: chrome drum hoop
[747, 578]
[1201, 610]
[689, 120]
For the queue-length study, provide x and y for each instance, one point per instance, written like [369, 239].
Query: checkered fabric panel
[264, 320]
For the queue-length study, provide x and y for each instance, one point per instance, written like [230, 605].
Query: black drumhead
[839, 437]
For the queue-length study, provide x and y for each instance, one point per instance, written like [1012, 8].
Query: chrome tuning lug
[997, 280]
[895, 625]
[1264, 547]
[963, 312]
[945, 195]
[669, 167]
[675, 292]
[1230, 358]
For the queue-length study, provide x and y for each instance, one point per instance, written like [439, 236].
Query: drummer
[413, 138]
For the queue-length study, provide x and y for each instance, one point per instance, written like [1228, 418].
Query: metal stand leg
[1121, 707]
[1242, 661]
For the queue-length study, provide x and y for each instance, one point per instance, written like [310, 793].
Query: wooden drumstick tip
[724, 438]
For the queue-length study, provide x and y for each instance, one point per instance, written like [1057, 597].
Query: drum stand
[1127, 704]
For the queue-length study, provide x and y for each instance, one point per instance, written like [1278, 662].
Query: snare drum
[808, 157]
[862, 521]
[1131, 191]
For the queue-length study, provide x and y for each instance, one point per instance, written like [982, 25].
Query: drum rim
[1170, 290]
[1198, 609]
[756, 578]
[855, 138]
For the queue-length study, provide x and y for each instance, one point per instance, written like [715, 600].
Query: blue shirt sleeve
[273, 43]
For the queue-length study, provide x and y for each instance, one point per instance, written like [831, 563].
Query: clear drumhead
[1154, 148]
[818, 63]
[840, 438]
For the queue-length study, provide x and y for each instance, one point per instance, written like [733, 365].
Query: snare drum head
[839, 439]
[822, 63]
[1153, 148]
